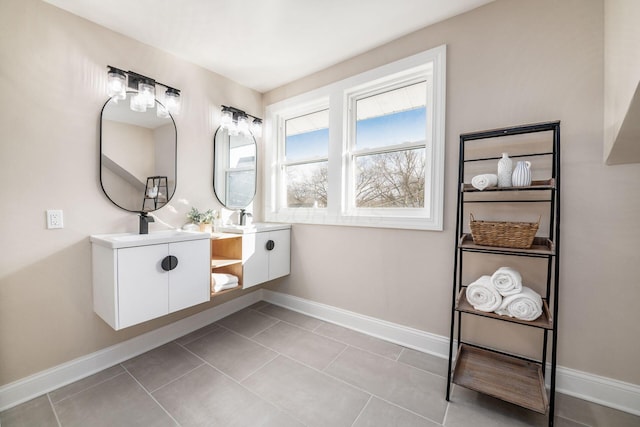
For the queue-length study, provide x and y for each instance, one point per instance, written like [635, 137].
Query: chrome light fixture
[145, 92]
[238, 122]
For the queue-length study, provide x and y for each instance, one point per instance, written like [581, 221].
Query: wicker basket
[502, 233]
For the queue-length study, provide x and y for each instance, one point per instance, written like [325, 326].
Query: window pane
[307, 185]
[390, 180]
[307, 136]
[392, 117]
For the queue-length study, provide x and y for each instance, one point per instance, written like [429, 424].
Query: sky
[375, 132]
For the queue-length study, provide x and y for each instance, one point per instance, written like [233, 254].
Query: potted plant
[203, 219]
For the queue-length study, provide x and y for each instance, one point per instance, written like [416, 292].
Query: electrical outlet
[54, 219]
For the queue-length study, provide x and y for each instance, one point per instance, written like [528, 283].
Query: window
[365, 151]
[388, 147]
[305, 162]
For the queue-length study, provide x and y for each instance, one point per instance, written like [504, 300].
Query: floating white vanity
[139, 277]
[262, 250]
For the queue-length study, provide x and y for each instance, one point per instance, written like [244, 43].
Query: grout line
[153, 398]
[402, 349]
[260, 367]
[446, 411]
[407, 410]
[356, 387]
[362, 410]
[246, 336]
[173, 380]
[201, 336]
[334, 359]
[267, 401]
[53, 408]
[91, 386]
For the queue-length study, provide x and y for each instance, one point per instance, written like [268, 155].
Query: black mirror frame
[175, 166]
[255, 177]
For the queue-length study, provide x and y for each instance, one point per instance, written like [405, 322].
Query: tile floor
[269, 366]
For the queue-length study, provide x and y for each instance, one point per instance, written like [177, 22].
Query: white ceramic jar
[505, 170]
[521, 174]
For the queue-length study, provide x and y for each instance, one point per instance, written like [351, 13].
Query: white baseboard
[593, 388]
[43, 382]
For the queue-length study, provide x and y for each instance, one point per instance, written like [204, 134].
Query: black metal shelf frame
[553, 258]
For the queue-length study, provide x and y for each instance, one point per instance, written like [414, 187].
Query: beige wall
[509, 62]
[53, 85]
[621, 77]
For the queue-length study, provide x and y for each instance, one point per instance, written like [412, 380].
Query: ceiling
[263, 44]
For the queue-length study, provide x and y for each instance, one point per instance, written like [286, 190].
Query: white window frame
[338, 97]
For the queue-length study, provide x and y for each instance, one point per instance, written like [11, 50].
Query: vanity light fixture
[238, 122]
[145, 88]
[117, 83]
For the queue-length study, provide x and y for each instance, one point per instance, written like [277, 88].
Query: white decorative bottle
[505, 169]
[521, 174]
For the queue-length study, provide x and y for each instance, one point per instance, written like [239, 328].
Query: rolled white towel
[218, 288]
[527, 305]
[224, 279]
[507, 281]
[482, 295]
[485, 180]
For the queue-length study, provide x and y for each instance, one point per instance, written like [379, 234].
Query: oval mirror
[137, 156]
[234, 168]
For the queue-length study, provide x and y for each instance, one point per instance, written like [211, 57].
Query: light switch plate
[54, 219]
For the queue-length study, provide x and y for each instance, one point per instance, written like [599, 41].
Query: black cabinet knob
[169, 263]
[270, 245]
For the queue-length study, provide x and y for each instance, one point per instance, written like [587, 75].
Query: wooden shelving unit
[226, 257]
[502, 376]
[497, 373]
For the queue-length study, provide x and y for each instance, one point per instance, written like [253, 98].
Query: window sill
[321, 217]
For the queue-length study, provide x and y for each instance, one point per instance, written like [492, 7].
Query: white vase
[521, 174]
[505, 169]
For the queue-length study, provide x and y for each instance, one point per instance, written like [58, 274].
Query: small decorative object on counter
[505, 169]
[521, 174]
[203, 219]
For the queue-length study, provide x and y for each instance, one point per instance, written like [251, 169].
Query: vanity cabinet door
[280, 255]
[189, 282]
[143, 286]
[255, 259]
[266, 256]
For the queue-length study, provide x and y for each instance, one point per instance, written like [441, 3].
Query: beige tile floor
[269, 366]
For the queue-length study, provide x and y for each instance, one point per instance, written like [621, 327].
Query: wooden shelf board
[545, 321]
[214, 294]
[217, 236]
[218, 261]
[541, 246]
[547, 184]
[504, 377]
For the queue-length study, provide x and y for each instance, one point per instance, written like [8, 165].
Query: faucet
[144, 222]
[242, 217]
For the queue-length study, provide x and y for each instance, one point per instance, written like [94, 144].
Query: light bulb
[138, 103]
[172, 101]
[162, 112]
[117, 84]
[227, 119]
[256, 127]
[243, 124]
[148, 92]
